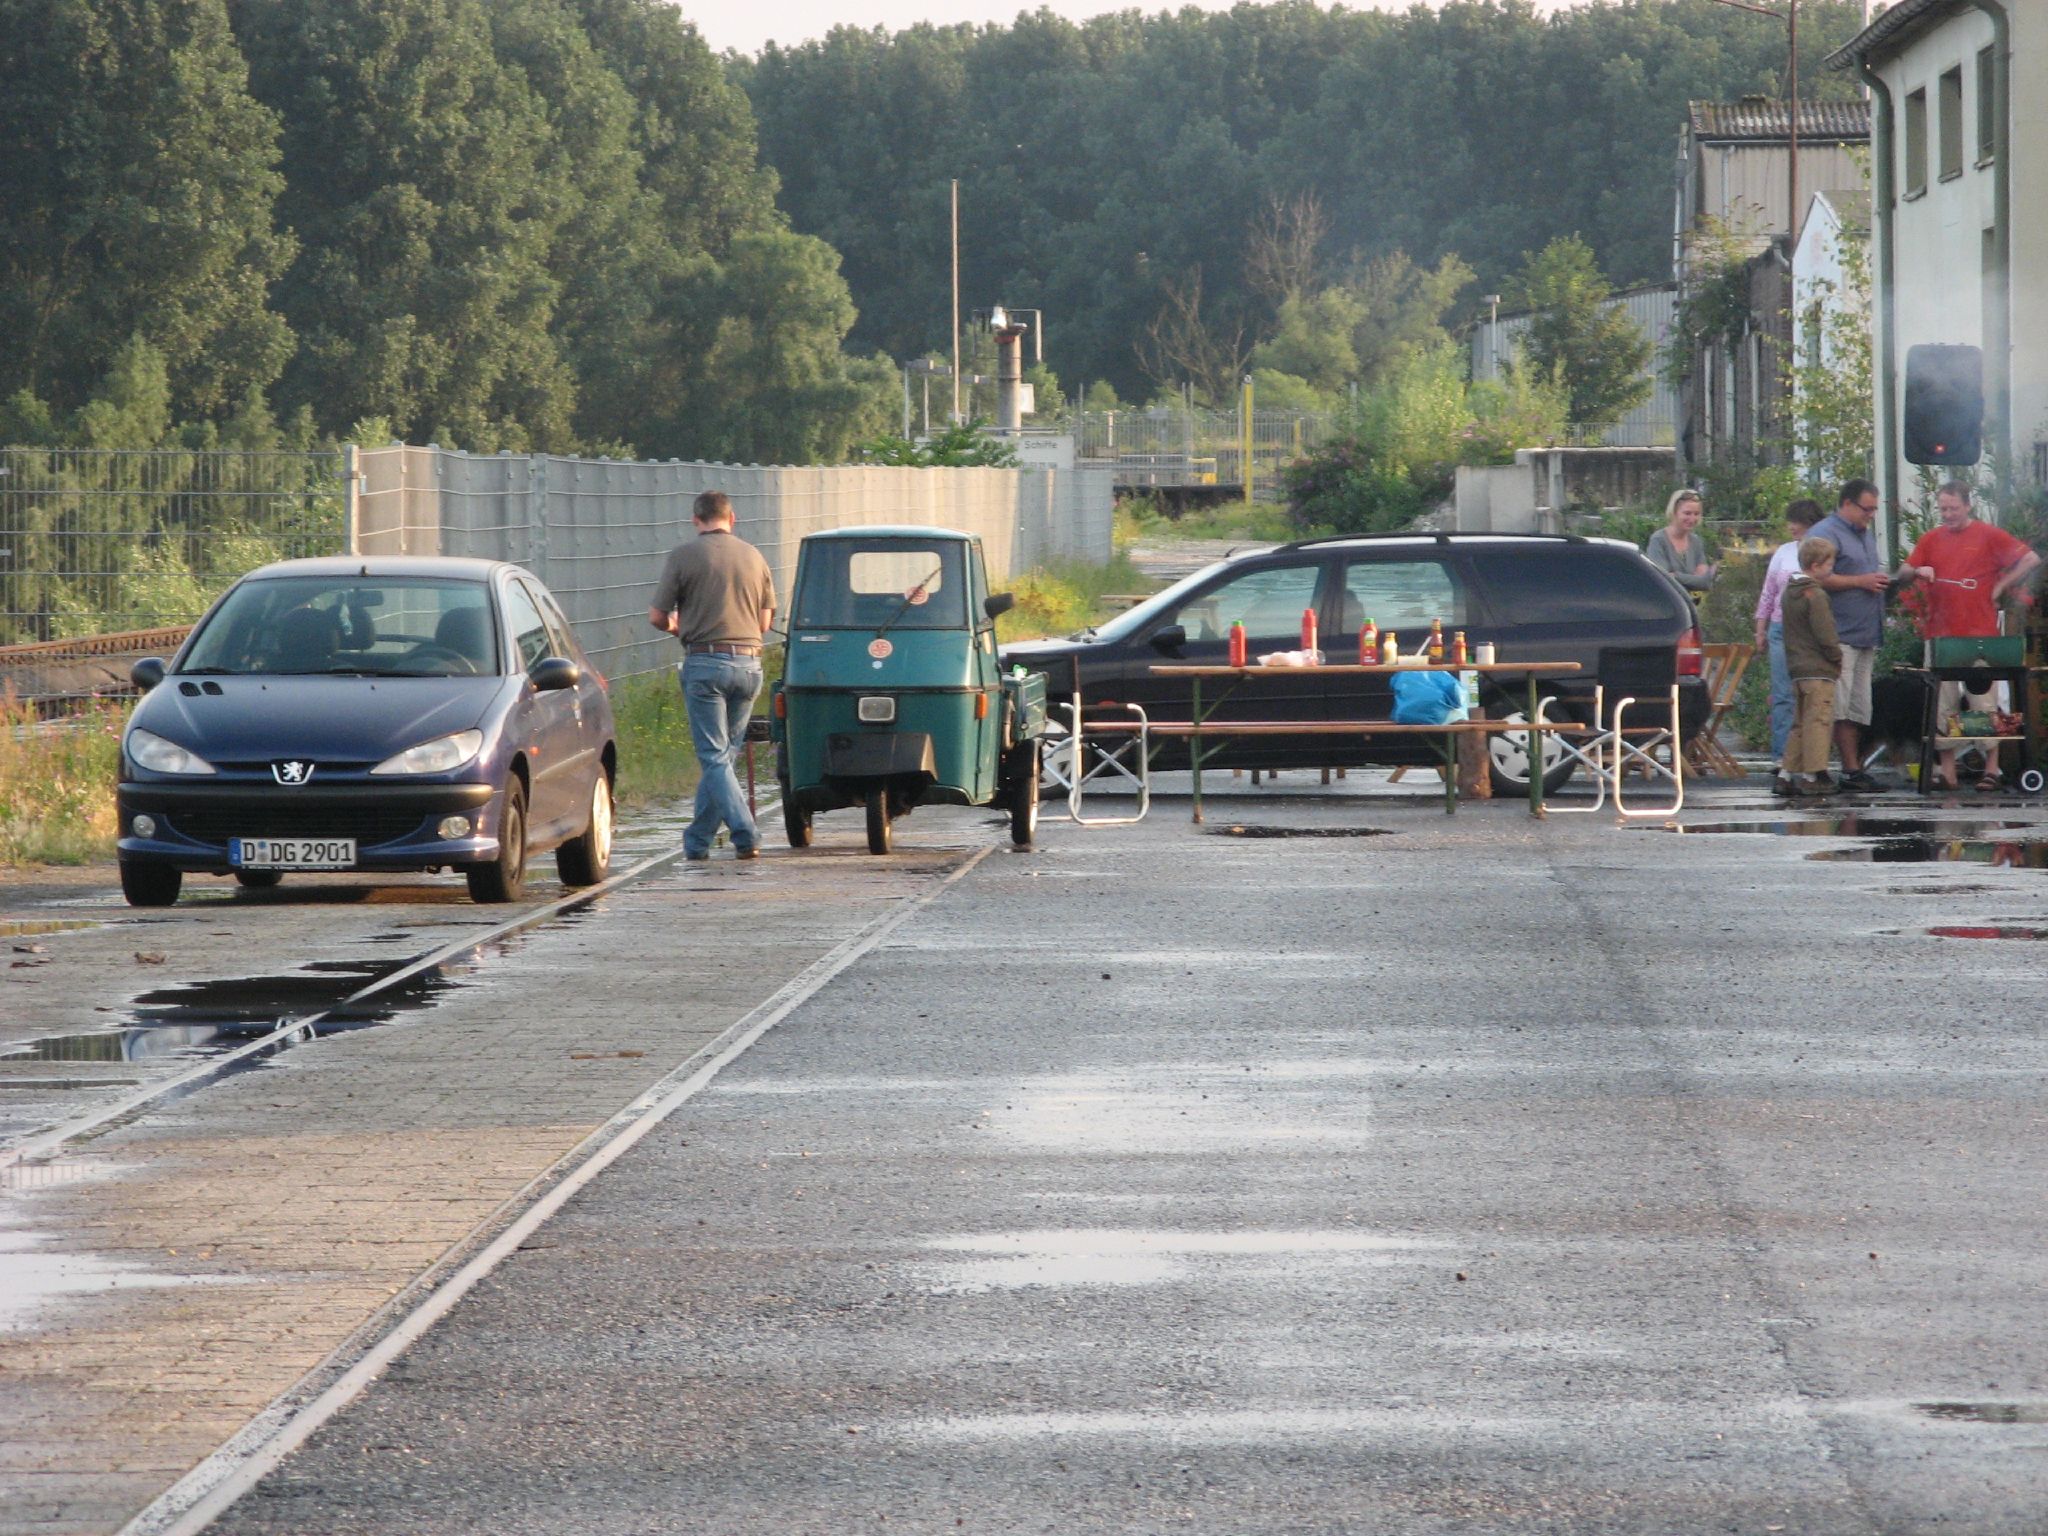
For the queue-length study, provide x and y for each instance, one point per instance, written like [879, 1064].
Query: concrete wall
[1532, 494]
[1939, 288]
[596, 530]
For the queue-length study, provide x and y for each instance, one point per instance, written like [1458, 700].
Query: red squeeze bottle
[1238, 647]
[1308, 629]
[1368, 644]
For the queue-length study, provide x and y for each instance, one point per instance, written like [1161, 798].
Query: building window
[1952, 123]
[1987, 107]
[1916, 143]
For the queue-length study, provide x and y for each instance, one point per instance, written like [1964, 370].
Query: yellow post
[1244, 439]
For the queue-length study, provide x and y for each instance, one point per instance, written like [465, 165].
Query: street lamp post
[1790, 16]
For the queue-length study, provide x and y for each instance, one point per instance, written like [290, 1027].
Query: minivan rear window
[1573, 584]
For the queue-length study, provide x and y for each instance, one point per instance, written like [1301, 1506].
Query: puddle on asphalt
[1242, 830]
[1929, 850]
[1903, 840]
[37, 1277]
[1854, 825]
[1986, 1413]
[1987, 931]
[195, 1017]
[1004, 1261]
[34, 928]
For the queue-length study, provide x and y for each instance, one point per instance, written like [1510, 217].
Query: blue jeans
[1784, 701]
[718, 696]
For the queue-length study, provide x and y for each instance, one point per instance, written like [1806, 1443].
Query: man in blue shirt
[1855, 591]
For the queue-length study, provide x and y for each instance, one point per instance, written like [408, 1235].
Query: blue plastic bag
[1427, 698]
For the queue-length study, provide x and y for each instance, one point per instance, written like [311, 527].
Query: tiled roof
[1763, 120]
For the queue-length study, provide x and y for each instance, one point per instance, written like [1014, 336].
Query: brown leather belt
[720, 648]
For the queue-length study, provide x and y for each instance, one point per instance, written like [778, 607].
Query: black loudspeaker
[1944, 405]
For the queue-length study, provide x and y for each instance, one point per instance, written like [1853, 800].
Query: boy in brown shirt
[1813, 658]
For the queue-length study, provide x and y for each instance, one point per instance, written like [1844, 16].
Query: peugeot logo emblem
[292, 771]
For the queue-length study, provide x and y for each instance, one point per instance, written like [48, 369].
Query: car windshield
[1133, 619]
[881, 585]
[389, 626]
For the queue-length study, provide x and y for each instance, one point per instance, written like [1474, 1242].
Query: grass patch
[1139, 517]
[1060, 599]
[57, 785]
[656, 760]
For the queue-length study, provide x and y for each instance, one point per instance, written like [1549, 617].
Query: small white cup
[1485, 655]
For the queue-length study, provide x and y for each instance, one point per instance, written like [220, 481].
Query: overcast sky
[746, 25]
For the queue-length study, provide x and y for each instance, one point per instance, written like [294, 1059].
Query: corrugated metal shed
[1763, 119]
[1495, 343]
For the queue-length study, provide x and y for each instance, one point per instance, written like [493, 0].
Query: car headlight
[148, 750]
[436, 756]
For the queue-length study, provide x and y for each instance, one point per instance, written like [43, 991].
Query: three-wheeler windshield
[882, 585]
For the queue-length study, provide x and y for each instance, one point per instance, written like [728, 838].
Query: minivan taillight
[1690, 657]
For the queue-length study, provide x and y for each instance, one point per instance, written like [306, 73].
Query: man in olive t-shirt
[717, 596]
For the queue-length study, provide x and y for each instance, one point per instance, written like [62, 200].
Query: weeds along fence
[596, 530]
[93, 541]
[96, 542]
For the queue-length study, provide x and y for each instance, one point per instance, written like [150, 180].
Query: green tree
[427, 190]
[1594, 348]
[137, 184]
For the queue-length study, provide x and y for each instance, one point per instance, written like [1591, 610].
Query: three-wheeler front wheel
[1024, 767]
[878, 818]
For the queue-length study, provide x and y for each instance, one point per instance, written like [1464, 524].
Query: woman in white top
[1770, 617]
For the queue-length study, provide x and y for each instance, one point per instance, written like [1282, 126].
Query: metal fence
[596, 530]
[1173, 446]
[95, 540]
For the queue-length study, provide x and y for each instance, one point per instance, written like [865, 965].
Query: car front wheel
[1508, 757]
[504, 878]
[147, 884]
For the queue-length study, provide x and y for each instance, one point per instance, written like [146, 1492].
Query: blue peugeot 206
[369, 714]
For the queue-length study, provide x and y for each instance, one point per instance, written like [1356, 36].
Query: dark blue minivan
[369, 714]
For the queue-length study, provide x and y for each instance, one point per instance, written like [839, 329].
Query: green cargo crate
[1968, 650]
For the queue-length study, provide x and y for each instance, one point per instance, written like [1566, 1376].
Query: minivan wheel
[148, 884]
[504, 878]
[1507, 756]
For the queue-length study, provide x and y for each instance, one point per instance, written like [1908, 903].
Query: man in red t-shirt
[1969, 567]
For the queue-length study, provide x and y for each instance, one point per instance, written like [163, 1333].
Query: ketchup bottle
[1308, 630]
[1436, 641]
[1368, 644]
[1458, 655]
[1238, 646]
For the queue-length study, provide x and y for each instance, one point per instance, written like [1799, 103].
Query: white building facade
[1959, 96]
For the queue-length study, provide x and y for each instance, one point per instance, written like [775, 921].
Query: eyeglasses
[1868, 506]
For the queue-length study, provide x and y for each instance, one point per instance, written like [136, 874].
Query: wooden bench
[1447, 733]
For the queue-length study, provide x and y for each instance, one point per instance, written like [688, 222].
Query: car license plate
[292, 852]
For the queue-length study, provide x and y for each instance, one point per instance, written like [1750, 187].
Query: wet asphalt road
[1484, 1177]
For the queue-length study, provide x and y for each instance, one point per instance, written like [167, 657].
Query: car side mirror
[996, 604]
[551, 674]
[147, 673]
[1169, 639]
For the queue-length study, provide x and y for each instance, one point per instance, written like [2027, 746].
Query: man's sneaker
[1783, 787]
[1859, 783]
[1812, 788]
[744, 854]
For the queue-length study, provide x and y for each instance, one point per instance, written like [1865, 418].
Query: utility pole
[956, 301]
[1790, 16]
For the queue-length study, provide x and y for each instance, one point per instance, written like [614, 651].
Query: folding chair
[1722, 667]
